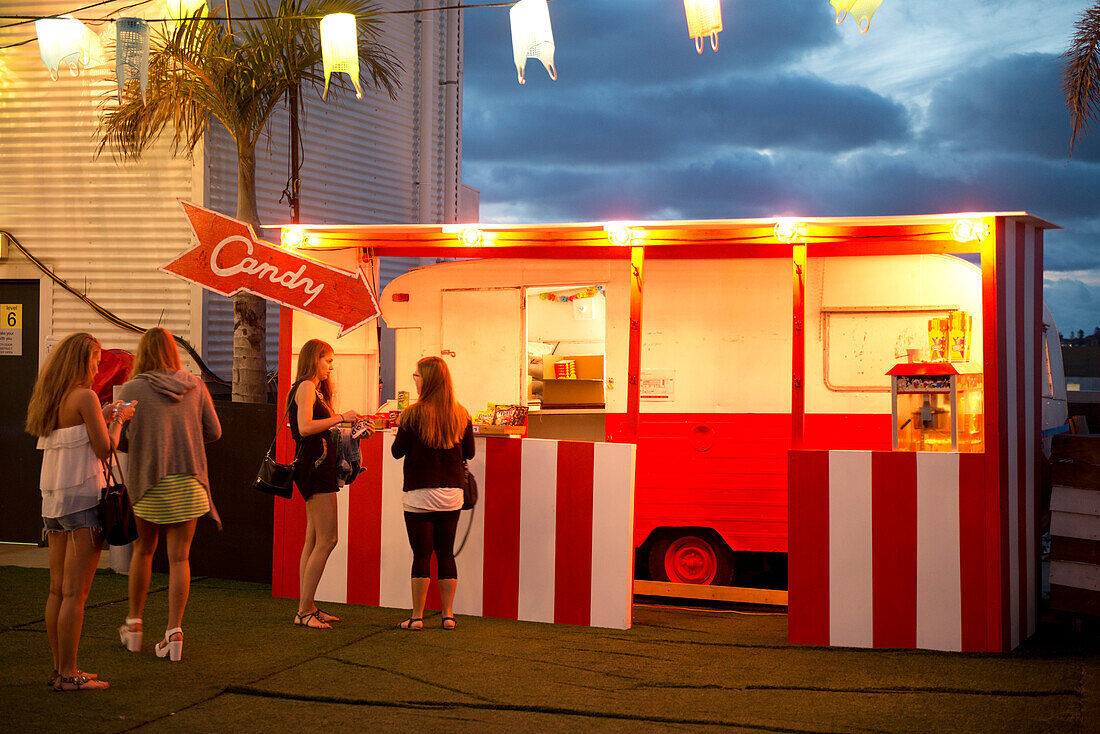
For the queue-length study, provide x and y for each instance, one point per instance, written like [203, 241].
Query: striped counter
[551, 539]
[902, 549]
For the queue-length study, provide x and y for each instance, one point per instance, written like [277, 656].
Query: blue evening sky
[941, 106]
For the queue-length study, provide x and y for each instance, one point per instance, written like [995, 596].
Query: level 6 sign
[230, 258]
[11, 329]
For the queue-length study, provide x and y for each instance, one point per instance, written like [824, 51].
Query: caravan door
[481, 338]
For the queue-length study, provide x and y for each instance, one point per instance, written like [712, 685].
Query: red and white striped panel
[1013, 353]
[551, 540]
[887, 549]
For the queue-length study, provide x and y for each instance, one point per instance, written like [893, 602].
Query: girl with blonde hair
[312, 416]
[435, 436]
[166, 478]
[75, 433]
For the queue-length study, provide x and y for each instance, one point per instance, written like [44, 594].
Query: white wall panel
[103, 226]
[108, 226]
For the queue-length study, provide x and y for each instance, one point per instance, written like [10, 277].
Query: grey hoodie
[173, 420]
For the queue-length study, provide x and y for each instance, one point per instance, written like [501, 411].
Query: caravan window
[861, 344]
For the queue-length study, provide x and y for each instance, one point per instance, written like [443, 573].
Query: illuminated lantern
[704, 18]
[532, 37]
[131, 55]
[64, 40]
[182, 10]
[861, 10]
[340, 49]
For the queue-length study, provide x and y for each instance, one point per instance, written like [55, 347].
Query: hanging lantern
[179, 10]
[860, 10]
[131, 55]
[183, 9]
[340, 48]
[64, 40]
[704, 18]
[532, 37]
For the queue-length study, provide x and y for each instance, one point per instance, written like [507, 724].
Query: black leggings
[430, 531]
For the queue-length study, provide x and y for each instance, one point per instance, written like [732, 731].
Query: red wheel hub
[691, 560]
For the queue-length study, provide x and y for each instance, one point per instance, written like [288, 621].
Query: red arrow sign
[230, 258]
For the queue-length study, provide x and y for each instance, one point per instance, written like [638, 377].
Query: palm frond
[200, 70]
[1081, 79]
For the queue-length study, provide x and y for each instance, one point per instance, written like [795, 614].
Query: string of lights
[25, 19]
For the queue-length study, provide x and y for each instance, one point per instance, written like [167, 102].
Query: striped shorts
[175, 498]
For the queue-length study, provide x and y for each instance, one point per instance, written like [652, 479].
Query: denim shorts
[73, 521]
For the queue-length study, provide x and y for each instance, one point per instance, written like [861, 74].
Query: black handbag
[116, 514]
[275, 478]
[469, 489]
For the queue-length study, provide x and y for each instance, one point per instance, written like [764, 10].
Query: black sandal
[451, 620]
[309, 620]
[325, 616]
[408, 624]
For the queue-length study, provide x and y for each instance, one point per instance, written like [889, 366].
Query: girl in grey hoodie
[166, 478]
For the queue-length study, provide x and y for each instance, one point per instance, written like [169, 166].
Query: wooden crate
[1075, 524]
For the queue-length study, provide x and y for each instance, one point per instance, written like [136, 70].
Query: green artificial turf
[247, 668]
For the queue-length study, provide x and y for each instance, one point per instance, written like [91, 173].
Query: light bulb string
[24, 19]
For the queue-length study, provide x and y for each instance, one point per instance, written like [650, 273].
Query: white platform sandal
[131, 638]
[169, 648]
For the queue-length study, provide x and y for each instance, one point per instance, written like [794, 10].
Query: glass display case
[937, 406]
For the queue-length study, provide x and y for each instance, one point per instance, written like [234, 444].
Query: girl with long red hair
[435, 436]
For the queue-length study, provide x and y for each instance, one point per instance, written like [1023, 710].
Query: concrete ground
[247, 668]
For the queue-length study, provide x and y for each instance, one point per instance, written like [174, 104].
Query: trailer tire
[690, 557]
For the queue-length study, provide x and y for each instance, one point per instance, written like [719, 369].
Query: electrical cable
[24, 19]
[108, 315]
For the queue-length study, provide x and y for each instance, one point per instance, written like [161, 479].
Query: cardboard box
[585, 391]
[480, 429]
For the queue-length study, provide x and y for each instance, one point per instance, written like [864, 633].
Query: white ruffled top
[72, 476]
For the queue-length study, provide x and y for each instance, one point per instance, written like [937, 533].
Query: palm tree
[202, 69]
[1081, 81]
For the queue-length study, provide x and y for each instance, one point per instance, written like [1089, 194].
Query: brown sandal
[413, 624]
[79, 682]
[52, 680]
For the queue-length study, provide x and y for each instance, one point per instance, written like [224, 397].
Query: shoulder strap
[282, 422]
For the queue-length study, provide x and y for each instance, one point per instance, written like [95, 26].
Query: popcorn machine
[937, 406]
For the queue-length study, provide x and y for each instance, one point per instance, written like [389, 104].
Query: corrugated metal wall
[364, 161]
[106, 227]
[103, 226]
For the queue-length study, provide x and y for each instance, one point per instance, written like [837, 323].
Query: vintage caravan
[715, 416]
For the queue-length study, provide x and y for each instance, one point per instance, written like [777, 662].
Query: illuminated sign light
[619, 234]
[968, 230]
[788, 230]
[293, 237]
[472, 237]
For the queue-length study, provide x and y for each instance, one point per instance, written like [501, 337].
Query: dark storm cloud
[1075, 305]
[638, 126]
[1014, 103]
[618, 124]
[632, 42]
